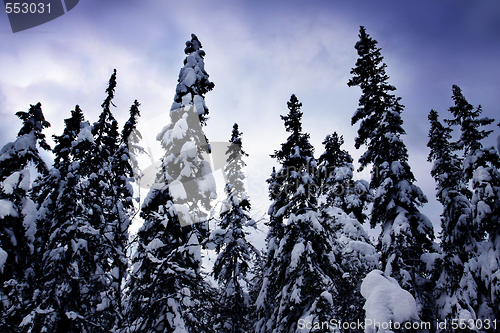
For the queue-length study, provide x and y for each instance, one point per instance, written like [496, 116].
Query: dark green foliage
[468, 119]
[166, 291]
[231, 268]
[85, 207]
[335, 172]
[406, 233]
[468, 187]
[300, 273]
[17, 219]
[458, 236]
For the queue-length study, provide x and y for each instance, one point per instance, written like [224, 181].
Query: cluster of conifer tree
[68, 263]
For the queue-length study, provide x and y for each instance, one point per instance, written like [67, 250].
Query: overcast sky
[258, 53]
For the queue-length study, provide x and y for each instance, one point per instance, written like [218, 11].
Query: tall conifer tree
[301, 271]
[459, 237]
[166, 291]
[406, 233]
[342, 205]
[17, 218]
[335, 171]
[480, 172]
[59, 209]
[231, 268]
[85, 210]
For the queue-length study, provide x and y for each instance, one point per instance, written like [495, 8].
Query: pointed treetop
[33, 120]
[62, 149]
[468, 118]
[236, 140]
[192, 45]
[293, 121]
[365, 43]
[439, 135]
[293, 125]
[110, 90]
[334, 155]
[370, 68]
[105, 130]
[131, 123]
[462, 107]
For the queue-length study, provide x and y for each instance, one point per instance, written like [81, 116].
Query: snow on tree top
[192, 45]
[7, 209]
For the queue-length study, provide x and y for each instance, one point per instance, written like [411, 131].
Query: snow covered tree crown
[33, 120]
[193, 81]
[193, 45]
[293, 121]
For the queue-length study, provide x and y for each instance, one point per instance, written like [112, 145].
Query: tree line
[68, 263]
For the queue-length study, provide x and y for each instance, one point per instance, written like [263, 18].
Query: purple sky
[258, 54]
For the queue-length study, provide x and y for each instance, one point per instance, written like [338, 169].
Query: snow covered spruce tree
[342, 203]
[406, 233]
[481, 173]
[335, 171]
[46, 189]
[166, 291]
[456, 288]
[17, 218]
[107, 197]
[300, 274]
[85, 209]
[235, 253]
[121, 212]
[57, 237]
[265, 287]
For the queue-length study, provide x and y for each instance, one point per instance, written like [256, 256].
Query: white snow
[199, 104]
[7, 209]
[326, 295]
[155, 244]
[365, 250]
[186, 99]
[189, 77]
[183, 214]
[397, 168]
[30, 215]
[188, 150]
[3, 259]
[481, 174]
[85, 134]
[177, 190]
[297, 251]
[430, 259]
[105, 302]
[25, 142]
[73, 315]
[401, 223]
[27, 320]
[207, 183]
[25, 182]
[6, 151]
[10, 183]
[178, 131]
[342, 173]
[386, 302]
[78, 244]
[193, 248]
